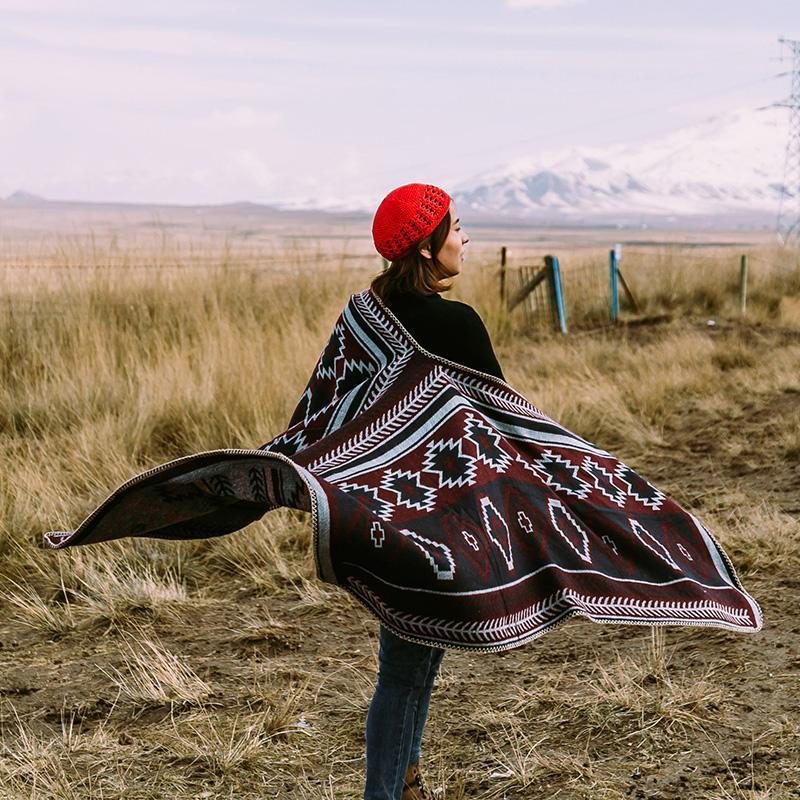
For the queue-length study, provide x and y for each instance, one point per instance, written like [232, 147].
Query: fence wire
[663, 278]
[190, 263]
[587, 291]
[652, 281]
[537, 306]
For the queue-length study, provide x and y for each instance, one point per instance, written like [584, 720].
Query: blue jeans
[397, 713]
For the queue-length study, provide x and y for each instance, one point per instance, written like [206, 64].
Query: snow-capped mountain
[729, 166]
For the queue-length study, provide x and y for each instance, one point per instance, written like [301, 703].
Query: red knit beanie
[406, 216]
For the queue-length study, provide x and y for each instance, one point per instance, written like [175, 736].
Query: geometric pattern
[470, 539]
[651, 543]
[330, 363]
[408, 489]
[446, 458]
[573, 533]
[369, 496]
[605, 482]
[455, 511]
[334, 364]
[685, 552]
[543, 616]
[438, 555]
[497, 529]
[487, 441]
[638, 488]
[377, 534]
[561, 474]
[524, 522]
[606, 539]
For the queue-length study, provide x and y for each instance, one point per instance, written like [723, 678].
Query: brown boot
[414, 787]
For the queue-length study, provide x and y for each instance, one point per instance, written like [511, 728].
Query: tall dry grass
[673, 279]
[106, 372]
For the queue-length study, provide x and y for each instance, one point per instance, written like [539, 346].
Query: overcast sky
[204, 102]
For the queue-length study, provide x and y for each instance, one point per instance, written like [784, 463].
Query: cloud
[542, 3]
[150, 39]
[255, 168]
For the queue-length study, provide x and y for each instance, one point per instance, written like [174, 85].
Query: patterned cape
[443, 501]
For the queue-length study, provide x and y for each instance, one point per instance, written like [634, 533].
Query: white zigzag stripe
[383, 427]
[370, 309]
[496, 396]
[385, 378]
[525, 432]
[525, 624]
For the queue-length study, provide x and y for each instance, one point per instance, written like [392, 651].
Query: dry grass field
[223, 669]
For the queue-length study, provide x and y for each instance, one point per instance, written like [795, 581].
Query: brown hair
[414, 272]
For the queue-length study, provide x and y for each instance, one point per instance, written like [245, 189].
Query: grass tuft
[153, 676]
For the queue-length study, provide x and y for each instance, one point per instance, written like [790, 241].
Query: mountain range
[726, 171]
[727, 168]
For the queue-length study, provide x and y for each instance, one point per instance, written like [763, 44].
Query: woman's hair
[414, 272]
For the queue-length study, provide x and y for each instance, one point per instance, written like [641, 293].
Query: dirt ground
[586, 711]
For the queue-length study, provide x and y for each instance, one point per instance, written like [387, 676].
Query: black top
[446, 328]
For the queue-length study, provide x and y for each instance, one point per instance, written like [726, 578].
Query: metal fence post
[557, 293]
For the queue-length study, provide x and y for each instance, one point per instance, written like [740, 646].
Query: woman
[417, 229]
[452, 509]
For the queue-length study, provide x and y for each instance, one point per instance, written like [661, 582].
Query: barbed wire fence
[535, 287]
[597, 292]
[586, 290]
[37, 288]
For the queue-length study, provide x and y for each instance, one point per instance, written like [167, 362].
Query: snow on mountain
[729, 165]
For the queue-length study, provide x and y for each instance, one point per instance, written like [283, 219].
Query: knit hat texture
[406, 216]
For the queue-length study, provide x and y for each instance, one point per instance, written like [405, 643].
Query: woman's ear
[425, 251]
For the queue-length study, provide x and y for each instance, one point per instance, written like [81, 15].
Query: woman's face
[451, 256]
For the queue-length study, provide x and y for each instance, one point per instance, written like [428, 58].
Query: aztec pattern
[449, 506]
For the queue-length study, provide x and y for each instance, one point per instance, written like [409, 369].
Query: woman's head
[416, 228]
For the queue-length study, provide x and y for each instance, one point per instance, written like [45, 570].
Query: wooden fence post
[503, 255]
[529, 285]
[743, 284]
[627, 289]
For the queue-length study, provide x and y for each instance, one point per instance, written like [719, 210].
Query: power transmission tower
[789, 211]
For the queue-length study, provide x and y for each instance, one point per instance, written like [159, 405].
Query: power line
[789, 209]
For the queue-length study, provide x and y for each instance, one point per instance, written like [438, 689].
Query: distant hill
[22, 199]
